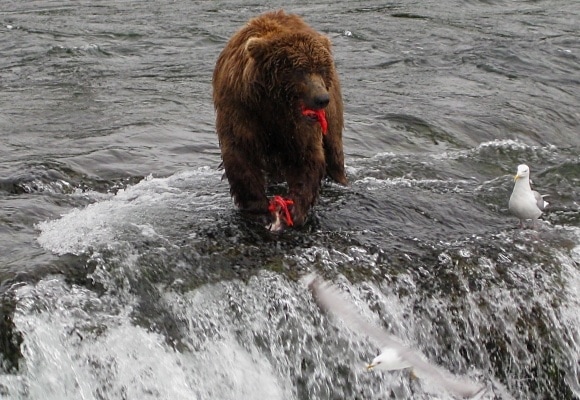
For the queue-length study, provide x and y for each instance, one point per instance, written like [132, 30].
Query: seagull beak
[370, 366]
[517, 177]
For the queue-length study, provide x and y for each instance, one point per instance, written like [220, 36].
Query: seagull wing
[541, 203]
[436, 374]
[328, 297]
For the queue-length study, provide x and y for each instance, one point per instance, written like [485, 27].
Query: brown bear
[279, 115]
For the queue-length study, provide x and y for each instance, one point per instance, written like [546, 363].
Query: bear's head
[294, 70]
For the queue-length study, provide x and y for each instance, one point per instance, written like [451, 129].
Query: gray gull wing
[542, 204]
[329, 299]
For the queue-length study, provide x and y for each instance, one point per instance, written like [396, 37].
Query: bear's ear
[256, 46]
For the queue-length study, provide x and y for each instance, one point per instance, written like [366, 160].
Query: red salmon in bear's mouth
[316, 116]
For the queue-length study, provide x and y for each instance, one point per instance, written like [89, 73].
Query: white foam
[75, 346]
[372, 183]
[570, 310]
[498, 144]
[99, 224]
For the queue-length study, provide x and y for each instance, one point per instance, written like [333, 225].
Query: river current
[126, 272]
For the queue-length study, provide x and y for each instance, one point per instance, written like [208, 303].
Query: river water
[127, 273]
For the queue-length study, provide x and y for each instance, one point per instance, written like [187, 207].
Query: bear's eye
[324, 73]
[295, 75]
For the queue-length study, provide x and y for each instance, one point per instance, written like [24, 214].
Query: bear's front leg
[304, 186]
[332, 141]
[246, 179]
[334, 159]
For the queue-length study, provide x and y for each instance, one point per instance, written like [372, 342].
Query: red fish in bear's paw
[317, 115]
[280, 212]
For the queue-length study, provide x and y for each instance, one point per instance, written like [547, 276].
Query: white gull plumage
[394, 354]
[525, 203]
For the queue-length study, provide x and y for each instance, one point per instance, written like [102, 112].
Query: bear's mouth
[316, 116]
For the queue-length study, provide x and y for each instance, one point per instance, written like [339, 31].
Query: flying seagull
[526, 203]
[394, 354]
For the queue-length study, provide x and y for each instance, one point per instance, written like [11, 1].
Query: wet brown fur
[268, 69]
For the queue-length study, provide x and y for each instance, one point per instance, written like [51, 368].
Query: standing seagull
[394, 354]
[525, 203]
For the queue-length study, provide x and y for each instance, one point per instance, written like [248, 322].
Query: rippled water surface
[127, 273]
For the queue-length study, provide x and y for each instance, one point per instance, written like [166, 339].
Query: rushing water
[127, 273]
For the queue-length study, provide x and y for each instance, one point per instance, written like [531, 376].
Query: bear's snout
[321, 101]
[317, 96]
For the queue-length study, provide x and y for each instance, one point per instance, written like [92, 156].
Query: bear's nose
[321, 100]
